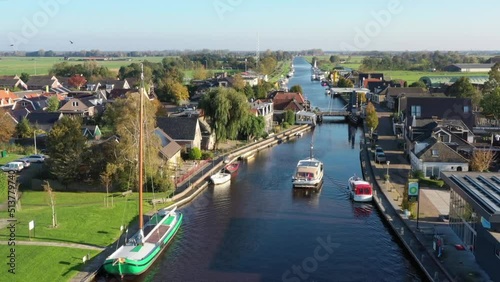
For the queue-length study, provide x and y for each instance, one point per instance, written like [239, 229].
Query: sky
[248, 25]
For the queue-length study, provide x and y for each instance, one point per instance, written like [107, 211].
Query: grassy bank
[82, 218]
[282, 69]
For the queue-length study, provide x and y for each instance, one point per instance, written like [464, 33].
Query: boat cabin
[362, 189]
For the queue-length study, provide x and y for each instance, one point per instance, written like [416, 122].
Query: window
[435, 153]
[75, 104]
[466, 109]
[416, 111]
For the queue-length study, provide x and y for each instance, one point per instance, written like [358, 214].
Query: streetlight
[388, 163]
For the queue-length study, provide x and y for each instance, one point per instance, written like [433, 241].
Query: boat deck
[158, 234]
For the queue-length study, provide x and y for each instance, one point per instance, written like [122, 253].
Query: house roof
[281, 96]
[473, 66]
[437, 151]
[179, 128]
[436, 81]
[169, 147]
[119, 93]
[29, 93]
[43, 117]
[19, 114]
[5, 95]
[396, 91]
[40, 81]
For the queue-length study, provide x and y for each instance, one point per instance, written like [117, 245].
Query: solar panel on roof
[476, 193]
[493, 187]
[483, 191]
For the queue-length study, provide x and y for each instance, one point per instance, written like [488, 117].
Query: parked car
[36, 158]
[380, 157]
[378, 149]
[26, 162]
[12, 166]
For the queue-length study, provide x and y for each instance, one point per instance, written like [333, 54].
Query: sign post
[31, 226]
[413, 194]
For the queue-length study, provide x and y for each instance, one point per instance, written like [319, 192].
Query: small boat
[220, 177]
[232, 167]
[360, 190]
[309, 173]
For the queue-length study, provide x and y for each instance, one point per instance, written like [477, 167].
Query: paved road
[56, 244]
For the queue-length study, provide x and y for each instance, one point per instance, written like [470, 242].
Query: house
[469, 67]
[29, 93]
[43, 120]
[493, 60]
[185, 131]
[439, 108]
[85, 106]
[284, 101]
[475, 216]
[12, 82]
[170, 150]
[304, 117]
[265, 109]
[43, 83]
[7, 98]
[91, 132]
[108, 85]
[393, 94]
[372, 76]
[440, 83]
[432, 156]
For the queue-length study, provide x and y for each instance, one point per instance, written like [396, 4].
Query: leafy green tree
[25, 77]
[253, 127]
[239, 83]
[67, 149]
[418, 84]
[267, 65]
[107, 178]
[53, 103]
[172, 90]
[24, 129]
[462, 88]
[346, 83]
[494, 73]
[297, 88]
[248, 90]
[7, 128]
[200, 73]
[494, 79]
[334, 58]
[491, 104]
[226, 111]
[195, 154]
[371, 117]
[290, 117]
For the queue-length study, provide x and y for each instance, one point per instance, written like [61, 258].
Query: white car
[26, 162]
[13, 166]
[35, 158]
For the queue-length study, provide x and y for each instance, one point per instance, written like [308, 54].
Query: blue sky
[238, 24]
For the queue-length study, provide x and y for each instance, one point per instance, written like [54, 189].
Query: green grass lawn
[9, 158]
[42, 65]
[35, 263]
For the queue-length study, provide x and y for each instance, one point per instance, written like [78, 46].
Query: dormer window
[466, 109]
[75, 104]
[24, 104]
[416, 111]
[435, 153]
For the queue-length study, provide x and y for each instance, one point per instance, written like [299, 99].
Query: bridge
[340, 112]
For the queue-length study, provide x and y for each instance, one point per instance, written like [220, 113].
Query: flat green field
[43, 264]
[41, 66]
[82, 218]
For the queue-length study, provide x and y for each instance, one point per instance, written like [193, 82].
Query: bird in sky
[11, 45]
[71, 42]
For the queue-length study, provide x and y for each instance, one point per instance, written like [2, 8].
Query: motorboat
[220, 178]
[309, 173]
[232, 167]
[360, 190]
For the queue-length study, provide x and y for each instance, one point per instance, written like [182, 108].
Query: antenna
[258, 50]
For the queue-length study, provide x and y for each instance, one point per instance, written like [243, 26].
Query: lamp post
[34, 140]
[388, 163]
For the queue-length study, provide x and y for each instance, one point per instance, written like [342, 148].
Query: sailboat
[144, 247]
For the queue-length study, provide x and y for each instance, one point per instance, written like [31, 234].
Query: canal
[259, 229]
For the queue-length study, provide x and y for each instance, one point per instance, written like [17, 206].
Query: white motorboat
[360, 190]
[309, 173]
[220, 177]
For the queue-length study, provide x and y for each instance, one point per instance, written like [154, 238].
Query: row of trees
[416, 61]
[90, 70]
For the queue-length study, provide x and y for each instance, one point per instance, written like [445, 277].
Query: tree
[290, 117]
[345, 83]
[67, 148]
[25, 77]
[195, 154]
[77, 81]
[173, 90]
[297, 88]
[334, 58]
[53, 104]
[462, 88]
[123, 118]
[52, 201]
[249, 93]
[24, 129]
[107, 178]
[371, 117]
[491, 104]
[419, 84]
[200, 73]
[494, 73]
[8, 127]
[226, 111]
[238, 82]
[253, 127]
[481, 160]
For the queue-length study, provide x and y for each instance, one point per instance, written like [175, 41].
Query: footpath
[419, 237]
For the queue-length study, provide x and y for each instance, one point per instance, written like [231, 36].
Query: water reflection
[352, 134]
[362, 210]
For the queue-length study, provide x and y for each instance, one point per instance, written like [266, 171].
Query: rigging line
[125, 208]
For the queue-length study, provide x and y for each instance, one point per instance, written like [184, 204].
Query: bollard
[402, 231]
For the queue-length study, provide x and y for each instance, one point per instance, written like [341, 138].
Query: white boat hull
[220, 178]
[309, 174]
[352, 182]
[361, 198]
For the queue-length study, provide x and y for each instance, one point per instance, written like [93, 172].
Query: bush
[432, 182]
[17, 149]
[195, 154]
[418, 174]
[207, 155]
[286, 125]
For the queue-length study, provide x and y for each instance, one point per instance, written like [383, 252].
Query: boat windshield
[308, 163]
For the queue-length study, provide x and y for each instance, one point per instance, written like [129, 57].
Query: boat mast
[141, 145]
